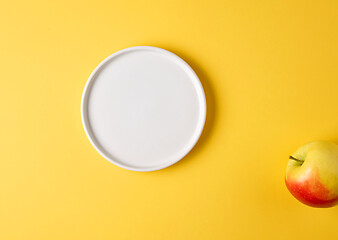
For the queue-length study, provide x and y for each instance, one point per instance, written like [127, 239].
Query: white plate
[143, 108]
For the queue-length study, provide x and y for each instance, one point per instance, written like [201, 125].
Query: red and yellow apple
[312, 174]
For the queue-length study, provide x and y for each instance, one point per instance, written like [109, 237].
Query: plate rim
[201, 97]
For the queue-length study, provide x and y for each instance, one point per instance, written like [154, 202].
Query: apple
[312, 174]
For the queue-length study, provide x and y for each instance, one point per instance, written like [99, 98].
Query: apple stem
[293, 158]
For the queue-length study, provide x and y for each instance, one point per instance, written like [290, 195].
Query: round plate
[143, 108]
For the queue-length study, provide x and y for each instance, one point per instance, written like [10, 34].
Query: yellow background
[269, 69]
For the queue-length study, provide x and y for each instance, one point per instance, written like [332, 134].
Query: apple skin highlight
[310, 191]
